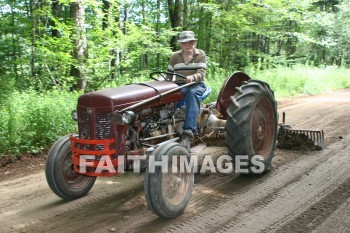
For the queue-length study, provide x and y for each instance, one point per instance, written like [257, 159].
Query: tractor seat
[203, 97]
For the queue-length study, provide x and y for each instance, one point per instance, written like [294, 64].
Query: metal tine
[316, 135]
[322, 139]
[310, 135]
[316, 138]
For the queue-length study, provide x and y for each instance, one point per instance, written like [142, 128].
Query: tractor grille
[101, 129]
[84, 120]
[103, 125]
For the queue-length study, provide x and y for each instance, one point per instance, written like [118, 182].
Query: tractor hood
[121, 97]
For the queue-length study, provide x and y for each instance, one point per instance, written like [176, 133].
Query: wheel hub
[176, 183]
[261, 129]
[68, 168]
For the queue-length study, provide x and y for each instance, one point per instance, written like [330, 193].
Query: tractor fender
[228, 89]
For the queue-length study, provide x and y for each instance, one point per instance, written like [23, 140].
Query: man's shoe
[187, 133]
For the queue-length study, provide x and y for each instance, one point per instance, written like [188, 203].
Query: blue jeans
[192, 96]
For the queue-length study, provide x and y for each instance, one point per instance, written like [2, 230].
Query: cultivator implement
[294, 138]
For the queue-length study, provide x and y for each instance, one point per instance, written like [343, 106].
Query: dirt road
[306, 191]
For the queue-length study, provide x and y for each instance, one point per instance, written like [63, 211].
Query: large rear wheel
[61, 177]
[252, 126]
[168, 192]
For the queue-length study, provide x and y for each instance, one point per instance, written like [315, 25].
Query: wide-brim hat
[186, 36]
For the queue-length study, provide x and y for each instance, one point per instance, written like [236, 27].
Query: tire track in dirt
[339, 221]
[141, 219]
[214, 218]
[309, 121]
[316, 214]
[297, 197]
[40, 208]
[123, 214]
[25, 189]
[297, 103]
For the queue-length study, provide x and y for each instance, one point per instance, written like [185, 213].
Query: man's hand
[190, 79]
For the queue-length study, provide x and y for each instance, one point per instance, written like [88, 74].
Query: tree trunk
[145, 55]
[39, 6]
[14, 41]
[57, 13]
[208, 35]
[79, 44]
[115, 51]
[185, 15]
[32, 49]
[175, 19]
[158, 31]
[267, 51]
[280, 43]
[125, 20]
[105, 10]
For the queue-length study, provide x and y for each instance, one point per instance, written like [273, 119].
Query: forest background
[53, 51]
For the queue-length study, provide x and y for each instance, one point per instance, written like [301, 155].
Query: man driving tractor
[191, 63]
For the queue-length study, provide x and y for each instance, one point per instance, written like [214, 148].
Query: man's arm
[202, 65]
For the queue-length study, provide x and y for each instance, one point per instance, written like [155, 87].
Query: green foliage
[215, 77]
[287, 82]
[303, 80]
[31, 121]
[129, 38]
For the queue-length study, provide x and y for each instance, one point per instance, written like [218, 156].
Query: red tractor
[140, 124]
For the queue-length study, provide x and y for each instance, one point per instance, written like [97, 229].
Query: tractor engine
[152, 125]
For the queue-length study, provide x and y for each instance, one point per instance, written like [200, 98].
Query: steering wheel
[164, 76]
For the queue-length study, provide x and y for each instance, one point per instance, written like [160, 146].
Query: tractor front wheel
[252, 127]
[169, 185]
[61, 177]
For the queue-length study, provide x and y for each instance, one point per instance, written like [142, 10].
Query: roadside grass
[31, 121]
[287, 82]
[301, 80]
